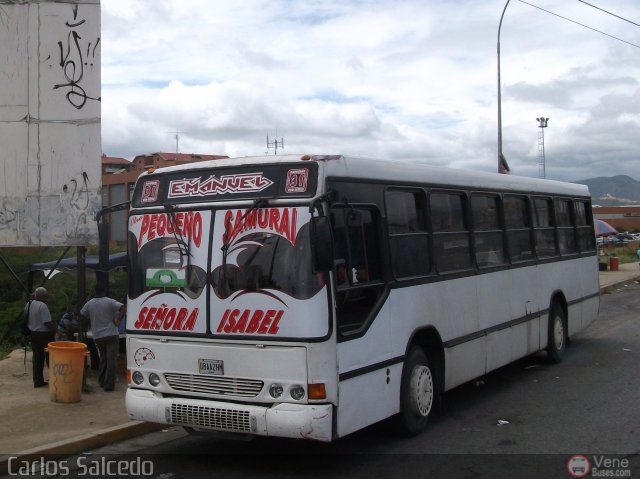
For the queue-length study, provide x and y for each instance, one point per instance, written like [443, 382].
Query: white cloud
[402, 79]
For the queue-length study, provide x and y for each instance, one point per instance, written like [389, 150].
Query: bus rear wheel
[417, 393]
[557, 334]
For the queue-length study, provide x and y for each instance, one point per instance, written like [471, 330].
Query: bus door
[362, 325]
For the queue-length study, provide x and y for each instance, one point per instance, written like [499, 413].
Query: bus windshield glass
[239, 264]
[261, 275]
[266, 261]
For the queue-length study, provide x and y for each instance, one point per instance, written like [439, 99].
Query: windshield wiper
[182, 242]
[226, 242]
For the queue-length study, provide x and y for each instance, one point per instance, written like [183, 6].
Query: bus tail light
[128, 376]
[317, 391]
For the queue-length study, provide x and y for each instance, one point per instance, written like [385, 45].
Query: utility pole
[542, 124]
[502, 164]
[177, 137]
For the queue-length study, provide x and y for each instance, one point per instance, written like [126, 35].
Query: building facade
[623, 218]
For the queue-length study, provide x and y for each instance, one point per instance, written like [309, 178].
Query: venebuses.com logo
[579, 466]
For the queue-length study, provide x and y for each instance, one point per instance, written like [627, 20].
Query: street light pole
[500, 161]
[542, 169]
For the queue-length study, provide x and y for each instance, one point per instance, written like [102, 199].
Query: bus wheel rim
[421, 390]
[558, 333]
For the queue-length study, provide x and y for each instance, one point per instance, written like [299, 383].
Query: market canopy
[116, 260]
[603, 228]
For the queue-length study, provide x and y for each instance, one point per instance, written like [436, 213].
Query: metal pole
[499, 90]
[81, 283]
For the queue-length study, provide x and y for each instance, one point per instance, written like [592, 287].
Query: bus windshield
[254, 261]
[161, 264]
[267, 261]
[229, 262]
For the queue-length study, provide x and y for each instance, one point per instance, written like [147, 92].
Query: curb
[81, 443]
[609, 288]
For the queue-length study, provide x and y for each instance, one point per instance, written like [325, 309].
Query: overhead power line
[581, 24]
[610, 13]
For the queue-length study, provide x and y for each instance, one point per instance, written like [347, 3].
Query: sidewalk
[33, 425]
[610, 280]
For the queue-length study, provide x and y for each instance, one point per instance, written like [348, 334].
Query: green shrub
[62, 289]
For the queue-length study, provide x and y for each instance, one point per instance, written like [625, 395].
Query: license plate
[211, 366]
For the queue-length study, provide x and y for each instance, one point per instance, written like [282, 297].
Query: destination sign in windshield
[219, 184]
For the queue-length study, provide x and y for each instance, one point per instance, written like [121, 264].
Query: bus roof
[399, 171]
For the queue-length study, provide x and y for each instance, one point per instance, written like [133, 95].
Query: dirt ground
[31, 419]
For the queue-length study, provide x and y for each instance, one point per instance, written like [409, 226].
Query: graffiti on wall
[8, 214]
[78, 206]
[51, 147]
[77, 57]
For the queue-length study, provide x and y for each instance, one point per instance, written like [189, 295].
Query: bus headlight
[137, 377]
[296, 392]
[276, 390]
[154, 379]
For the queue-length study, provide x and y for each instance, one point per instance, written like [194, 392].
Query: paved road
[525, 420]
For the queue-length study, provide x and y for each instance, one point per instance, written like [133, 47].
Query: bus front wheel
[417, 393]
[557, 342]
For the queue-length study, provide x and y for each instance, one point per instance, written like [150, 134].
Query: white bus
[309, 297]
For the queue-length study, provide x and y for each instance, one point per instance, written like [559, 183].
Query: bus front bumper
[302, 421]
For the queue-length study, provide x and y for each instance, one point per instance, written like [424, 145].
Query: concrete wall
[50, 145]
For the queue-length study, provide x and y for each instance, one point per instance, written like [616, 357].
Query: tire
[417, 393]
[557, 334]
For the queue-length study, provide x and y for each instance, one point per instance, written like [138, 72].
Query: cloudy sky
[401, 79]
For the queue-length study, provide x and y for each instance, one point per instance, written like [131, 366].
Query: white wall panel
[50, 144]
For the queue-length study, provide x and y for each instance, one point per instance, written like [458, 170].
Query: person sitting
[67, 328]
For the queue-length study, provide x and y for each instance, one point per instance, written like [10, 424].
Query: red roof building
[624, 218]
[119, 176]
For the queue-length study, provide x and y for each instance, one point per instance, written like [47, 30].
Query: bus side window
[488, 236]
[544, 227]
[451, 235]
[584, 224]
[566, 231]
[357, 268]
[518, 224]
[408, 236]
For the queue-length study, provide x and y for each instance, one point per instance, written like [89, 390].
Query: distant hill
[613, 191]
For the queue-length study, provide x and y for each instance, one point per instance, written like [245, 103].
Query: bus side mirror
[321, 243]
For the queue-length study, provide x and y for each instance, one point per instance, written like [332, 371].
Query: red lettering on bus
[255, 321]
[187, 224]
[246, 321]
[167, 319]
[281, 221]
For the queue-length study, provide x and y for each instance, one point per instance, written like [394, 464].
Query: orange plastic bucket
[66, 369]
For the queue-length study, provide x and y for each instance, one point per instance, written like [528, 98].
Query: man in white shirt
[101, 311]
[42, 333]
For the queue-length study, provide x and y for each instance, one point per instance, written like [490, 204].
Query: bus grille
[211, 417]
[221, 385]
